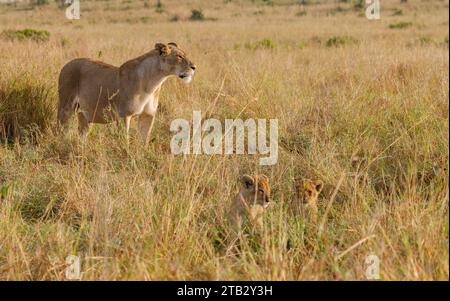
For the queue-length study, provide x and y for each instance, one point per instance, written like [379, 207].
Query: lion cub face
[175, 62]
[252, 200]
[255, 191]
[307, 192]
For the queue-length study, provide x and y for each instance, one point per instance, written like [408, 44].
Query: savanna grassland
[361, 105]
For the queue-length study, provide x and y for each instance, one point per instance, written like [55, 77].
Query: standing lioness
[104, 93]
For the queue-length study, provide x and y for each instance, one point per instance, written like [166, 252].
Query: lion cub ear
[263, 176]
[173, 44]
[247, 181]
[162, 48]
[319, 185]
[306, 183]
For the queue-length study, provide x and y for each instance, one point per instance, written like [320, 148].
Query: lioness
[251, 201]
[104, 93]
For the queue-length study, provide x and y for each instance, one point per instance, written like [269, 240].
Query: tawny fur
[102, 93]
[251, 201]
[306, 193]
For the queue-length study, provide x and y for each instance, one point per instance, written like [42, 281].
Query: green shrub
[262, 44]
[340, 41]
[425, 40]
[400, 25]
[197, 15]
[26, 34]
[64, 42]
[145, 19]
[159, 7]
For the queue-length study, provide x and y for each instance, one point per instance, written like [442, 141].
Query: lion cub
[306, 193]
[251, 201]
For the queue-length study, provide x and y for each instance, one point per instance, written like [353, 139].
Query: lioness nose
[193, 67]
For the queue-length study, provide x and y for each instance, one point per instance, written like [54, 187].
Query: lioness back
[83, 80]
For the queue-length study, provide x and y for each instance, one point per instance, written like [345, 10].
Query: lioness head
[174, 61]
[308, 191]
[256, 191]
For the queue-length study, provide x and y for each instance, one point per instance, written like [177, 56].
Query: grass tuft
[400, 25]
[340, 41]
[26, 107]
[197, 15]
[27, 34]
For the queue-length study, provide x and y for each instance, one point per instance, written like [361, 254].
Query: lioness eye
[260, 190]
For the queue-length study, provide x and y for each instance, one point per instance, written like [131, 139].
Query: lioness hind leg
[83, 124]
[63, 117]
[145, 125]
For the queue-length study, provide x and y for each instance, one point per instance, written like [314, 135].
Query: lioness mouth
[185, 77]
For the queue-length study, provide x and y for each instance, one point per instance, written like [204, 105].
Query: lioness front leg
[145, 125]
[127, 126]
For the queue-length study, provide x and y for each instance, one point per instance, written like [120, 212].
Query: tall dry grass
[361, 106]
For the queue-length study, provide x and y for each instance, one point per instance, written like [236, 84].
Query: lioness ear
[162, 48]
[247, 181]
[319, 185]
[173, 44]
